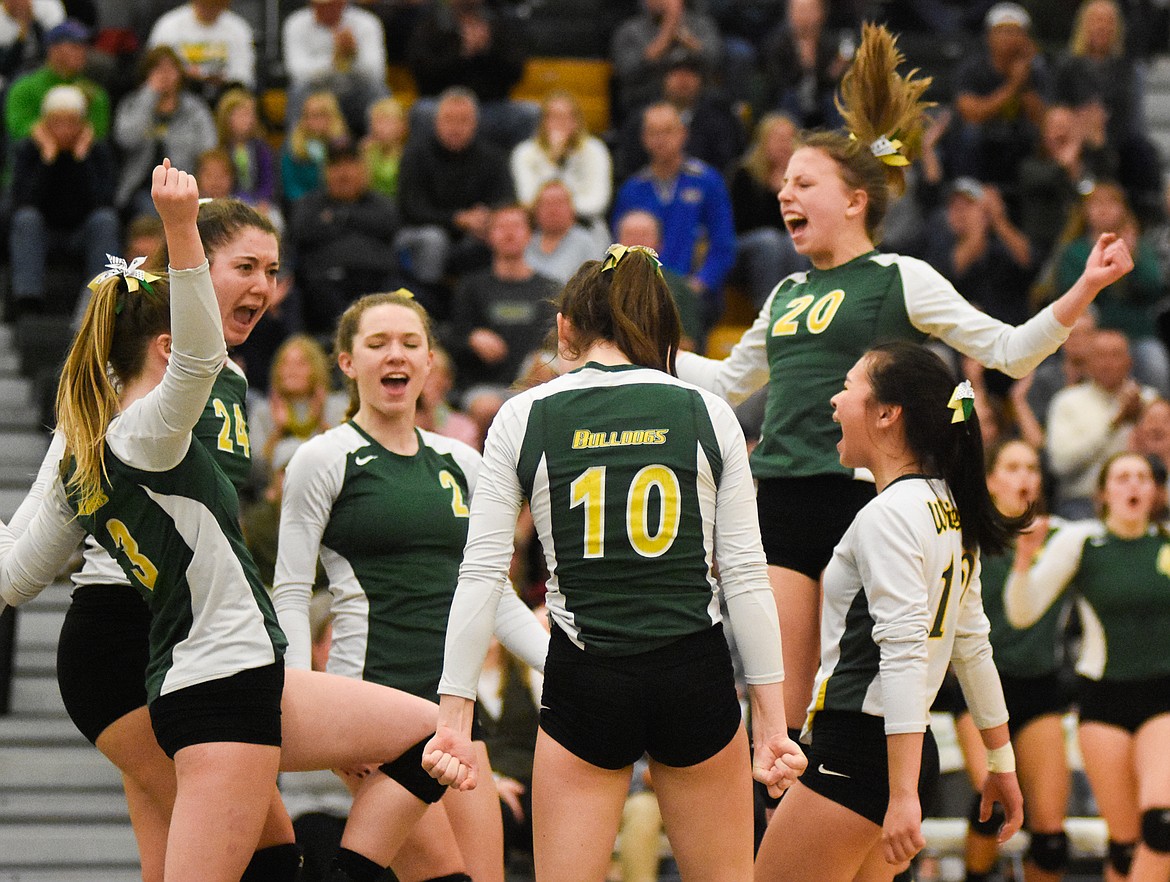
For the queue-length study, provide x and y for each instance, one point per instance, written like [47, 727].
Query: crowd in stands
[482, 205]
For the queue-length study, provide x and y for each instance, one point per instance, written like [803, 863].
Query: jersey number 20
[589, 489]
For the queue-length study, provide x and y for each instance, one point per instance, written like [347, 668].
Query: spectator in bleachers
[1151, 433]
[974, 244]
[640, 227]
[481, 48]
[300, 402]
[144, 236]
[1052, 181]
[691, 202]
[559, 245]
[342, 235]
[216, 45]
[1065, 367]
[238, 128]
[563, 149]
[382, 147]
[435, 412]
[1127, 303]
[215, 173]
[764, 253]
[1001, 93]
[331, 45]
[159, 118]
[643, 45]
[803, 63]
[1092, 420]
[447, 182]
[1095, 76]
[1158, 235]
[714, 131]
[499, 315]
[62, 197]
[23, 25]
[303, 154]
[67, 47]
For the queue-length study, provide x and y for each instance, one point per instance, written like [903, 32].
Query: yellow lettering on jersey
[585, 439]
[144, 569]
[818, 319]
[1164, 559]
[945, 515]
[458, 508]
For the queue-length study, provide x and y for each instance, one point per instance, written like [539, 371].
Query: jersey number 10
[588, 490]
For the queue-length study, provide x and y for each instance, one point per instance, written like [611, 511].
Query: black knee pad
[1156, 829]
[991, 826]
[407, 770]
[1049, 851]
[450, 877]
[349, 866]
[277, 863]
[1121, 856]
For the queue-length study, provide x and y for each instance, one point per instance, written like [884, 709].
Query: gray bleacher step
[47, 846]
[1157, 74]
[22, 450]
[36, 695]
[9, 361]
[34, 661]
[54, 874]
[11, 497]
[58, 768]
[15, 389]
[44, 730]
[20, 413]
[1161, 139]
[35, 806]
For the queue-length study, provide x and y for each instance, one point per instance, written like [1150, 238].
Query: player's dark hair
[219, 222]
[627, 303]
[919, 382]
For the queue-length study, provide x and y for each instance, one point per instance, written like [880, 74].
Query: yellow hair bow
[888, 151]
[614, 254]
[962, 402]
[117, 266]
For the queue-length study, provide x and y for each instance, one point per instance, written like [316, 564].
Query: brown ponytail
[626, 302]
[876, 102]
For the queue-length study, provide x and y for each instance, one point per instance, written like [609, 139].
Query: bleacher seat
[586, 78]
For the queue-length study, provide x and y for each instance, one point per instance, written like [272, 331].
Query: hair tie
[615, 253]
[887, 150]
[134, 276]
[962, 402]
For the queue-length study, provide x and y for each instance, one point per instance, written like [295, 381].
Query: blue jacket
[692, 208]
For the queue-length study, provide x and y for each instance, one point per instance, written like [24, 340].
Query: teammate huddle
[416, 536]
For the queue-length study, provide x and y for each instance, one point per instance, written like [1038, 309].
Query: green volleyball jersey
[176, 535]
[621, 465]
[822, 323]
[816, 325]
[392, 546]
[1020, 652]
[1123, 596]
[223, 426]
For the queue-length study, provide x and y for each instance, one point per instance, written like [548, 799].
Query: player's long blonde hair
[876, 102]
[108, 352]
